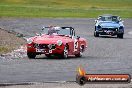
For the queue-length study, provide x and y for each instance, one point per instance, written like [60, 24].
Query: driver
[51, 30]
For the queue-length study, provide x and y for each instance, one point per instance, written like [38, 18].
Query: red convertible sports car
[59, 41]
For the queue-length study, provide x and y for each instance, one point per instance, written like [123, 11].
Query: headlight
[29, 41]
[59, 42]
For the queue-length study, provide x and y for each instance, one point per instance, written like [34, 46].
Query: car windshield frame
[109, 18]
[66, 31]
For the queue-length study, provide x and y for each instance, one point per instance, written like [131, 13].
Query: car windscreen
[65, 31]
[109, 18]
[59, 31]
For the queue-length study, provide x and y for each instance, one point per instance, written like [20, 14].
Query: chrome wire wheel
[65, 53]
[80, 53]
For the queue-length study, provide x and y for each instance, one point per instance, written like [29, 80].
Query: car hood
[50, 39]
[109, 24]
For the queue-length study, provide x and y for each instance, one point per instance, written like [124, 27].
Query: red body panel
[73, 43]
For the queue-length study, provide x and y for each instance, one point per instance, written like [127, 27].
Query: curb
[12, 84]
[34, 83]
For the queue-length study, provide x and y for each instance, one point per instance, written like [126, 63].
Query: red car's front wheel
[48, 55]
[65, 53]
[80, 52]
[31, 55]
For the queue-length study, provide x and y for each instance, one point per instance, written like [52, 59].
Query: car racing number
[40, 50]
[43, 51]
[75, 45]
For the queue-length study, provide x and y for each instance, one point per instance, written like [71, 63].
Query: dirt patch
[10, 41]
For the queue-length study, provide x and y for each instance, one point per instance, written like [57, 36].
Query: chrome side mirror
[43, 28]
[78, 37]
[96, 21]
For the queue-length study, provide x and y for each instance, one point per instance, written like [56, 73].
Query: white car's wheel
[96, 34]
[120, 36]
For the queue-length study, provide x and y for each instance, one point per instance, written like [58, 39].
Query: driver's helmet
[53, 30]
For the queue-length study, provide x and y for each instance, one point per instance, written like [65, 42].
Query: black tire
[120, 36]
[48, 55]
[31, 55]
[96, 34]
[65, 53]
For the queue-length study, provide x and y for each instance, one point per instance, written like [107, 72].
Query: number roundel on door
[75, 45]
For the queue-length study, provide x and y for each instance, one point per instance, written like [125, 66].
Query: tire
[65, 53]
[96, 34]
[31, 55]
[120, 36]
[48, 55]
[80, 53]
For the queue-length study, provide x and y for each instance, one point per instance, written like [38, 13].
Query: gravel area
[11, 45]
[9, 41]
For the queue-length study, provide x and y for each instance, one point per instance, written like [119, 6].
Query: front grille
[41, 46]
[52, 46]
[44, 46]
[111, 29]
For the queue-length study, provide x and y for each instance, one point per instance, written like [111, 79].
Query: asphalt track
[104, 55]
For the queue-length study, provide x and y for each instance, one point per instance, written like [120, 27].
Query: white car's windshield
[108, 18]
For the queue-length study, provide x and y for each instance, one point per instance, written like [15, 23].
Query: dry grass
[9, 42]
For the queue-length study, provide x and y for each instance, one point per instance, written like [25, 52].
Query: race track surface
[104, 55]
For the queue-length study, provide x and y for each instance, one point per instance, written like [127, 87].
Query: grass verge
[65, 8]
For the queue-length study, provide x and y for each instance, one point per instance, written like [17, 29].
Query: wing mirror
[43, 28]
[78, 37]
[121, 20]
[95, 21]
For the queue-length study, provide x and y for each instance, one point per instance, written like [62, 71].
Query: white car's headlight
[29, 41]
[59, 42]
